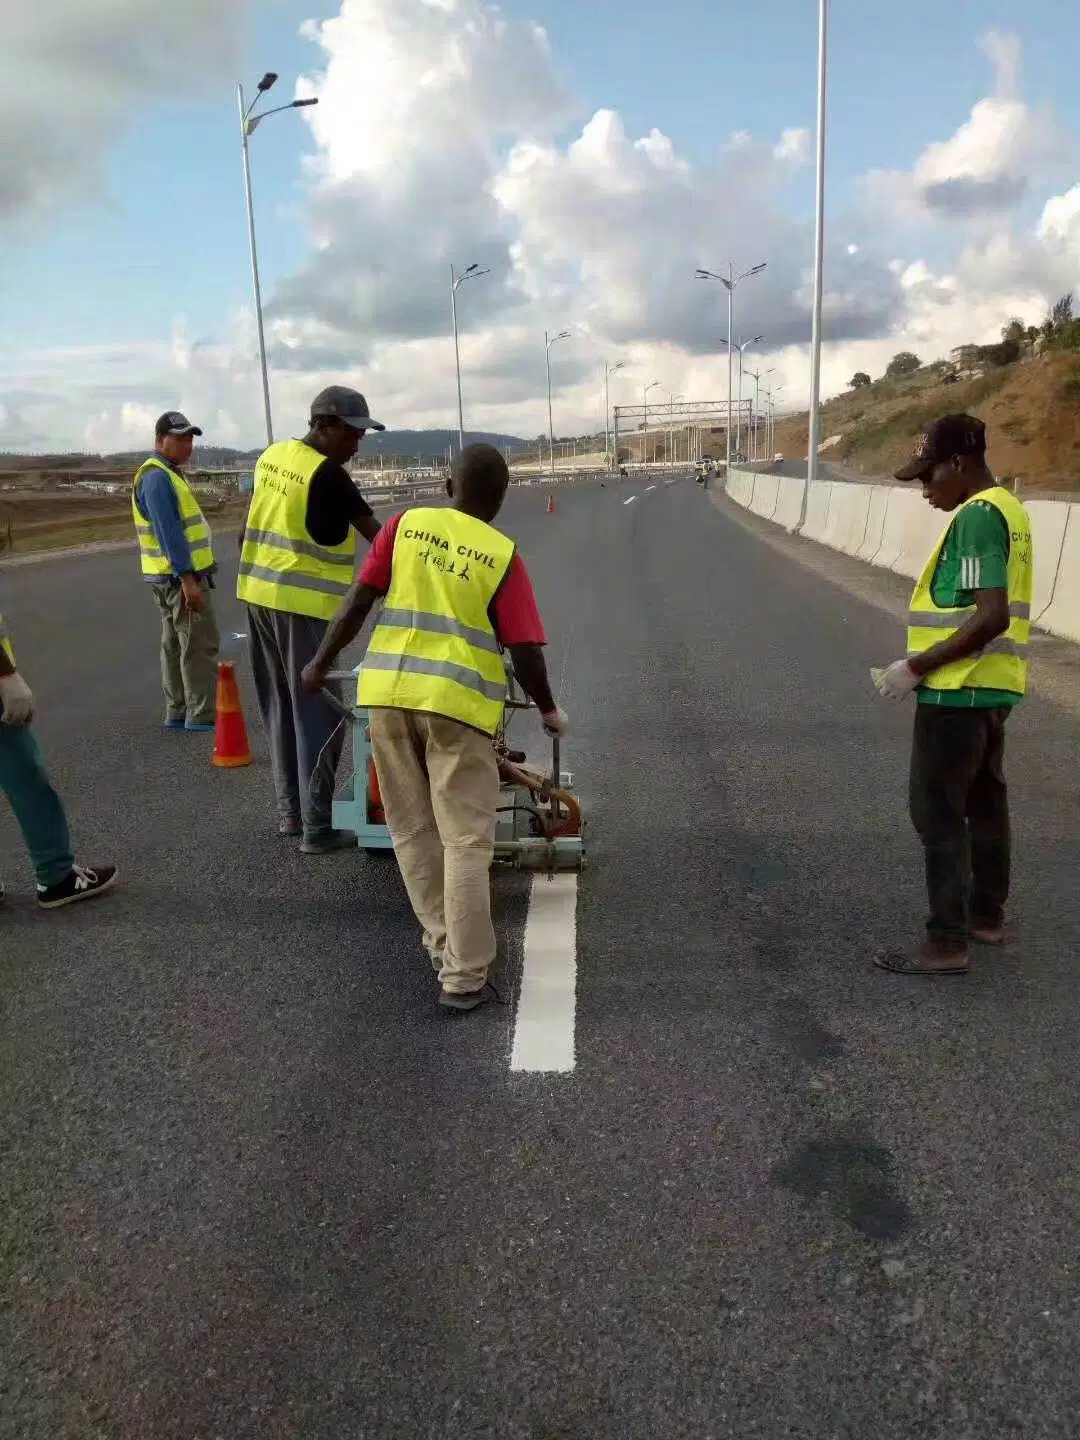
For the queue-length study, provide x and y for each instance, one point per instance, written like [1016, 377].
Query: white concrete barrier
[817, 509]
[740, 486]
[789, 502]
[766, 493]
[874, 530]
[921, 529]
[846, 525]
[1063, 615]
[1049, 521]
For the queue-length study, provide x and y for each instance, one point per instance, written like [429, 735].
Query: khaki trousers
[440, 790]
[189, 654]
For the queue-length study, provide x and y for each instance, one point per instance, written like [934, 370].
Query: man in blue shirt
[178, 563]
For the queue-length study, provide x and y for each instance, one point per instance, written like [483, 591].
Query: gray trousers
[306, 736]
[189, 654]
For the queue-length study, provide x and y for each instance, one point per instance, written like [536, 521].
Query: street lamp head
[757, 269]
[268, 81]
[470, 268]
[700, 274]
[302, 104]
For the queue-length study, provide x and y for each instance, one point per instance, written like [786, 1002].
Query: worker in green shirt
[966, 663]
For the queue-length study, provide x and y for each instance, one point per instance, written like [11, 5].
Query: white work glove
[897, 681]
[555, 722]
[17, 700]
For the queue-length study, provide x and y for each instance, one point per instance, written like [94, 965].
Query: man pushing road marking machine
[431, 716]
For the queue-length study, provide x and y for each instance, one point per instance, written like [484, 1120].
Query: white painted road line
[649, 487]
[629, 500]
[547, 1004]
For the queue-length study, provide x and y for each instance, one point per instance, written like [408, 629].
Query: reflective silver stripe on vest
[950, 619]
[1002, 646]
[300, 547]
[440, 625]
[193, 522]
[443, 669]
[294, 579]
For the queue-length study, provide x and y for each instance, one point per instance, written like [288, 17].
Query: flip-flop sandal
[897, 964]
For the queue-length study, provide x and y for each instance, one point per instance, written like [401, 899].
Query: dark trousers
[306, 736]
[960, 808]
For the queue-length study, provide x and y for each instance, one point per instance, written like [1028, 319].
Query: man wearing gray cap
[297, 561]
[177, 560]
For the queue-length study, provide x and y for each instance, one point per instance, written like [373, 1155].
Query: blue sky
[163, 237]
[900, 76]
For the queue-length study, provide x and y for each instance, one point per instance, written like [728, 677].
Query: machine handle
[336, 703]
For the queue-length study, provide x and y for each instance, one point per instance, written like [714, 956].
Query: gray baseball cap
[174, 423]
[338, 402]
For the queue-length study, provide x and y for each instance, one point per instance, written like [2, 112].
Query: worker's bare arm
[531, 671]
[343, 629]
[990, 620]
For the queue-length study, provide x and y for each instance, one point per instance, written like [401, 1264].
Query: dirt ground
[47, 519]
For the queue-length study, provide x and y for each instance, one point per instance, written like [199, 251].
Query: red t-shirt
[513, 613]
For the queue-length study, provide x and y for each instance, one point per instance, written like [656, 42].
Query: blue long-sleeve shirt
[156, 501]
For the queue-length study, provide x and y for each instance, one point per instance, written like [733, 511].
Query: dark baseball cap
[338, 402]
[941, 440]
[173, 423]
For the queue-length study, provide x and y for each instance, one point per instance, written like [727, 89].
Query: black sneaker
[326, 842]
[291, 828]
[470, 1000]
[82, 884]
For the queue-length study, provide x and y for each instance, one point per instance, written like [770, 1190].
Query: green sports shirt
[975, 556]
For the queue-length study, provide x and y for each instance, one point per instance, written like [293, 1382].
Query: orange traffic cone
[551, 505]
[231, 746]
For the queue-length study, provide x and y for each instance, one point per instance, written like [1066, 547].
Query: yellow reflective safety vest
[1003, 664]
[434, 647]
[5, 641]
[155, 563]
[281, 567]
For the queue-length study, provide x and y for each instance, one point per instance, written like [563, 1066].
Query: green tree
[1062, 312]
[860, 380]
[1014, 331]
[905, 363]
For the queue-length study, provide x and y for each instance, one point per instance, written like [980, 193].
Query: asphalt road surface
[255, 1184]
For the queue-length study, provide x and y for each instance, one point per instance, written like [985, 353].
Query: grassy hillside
[1031, 411]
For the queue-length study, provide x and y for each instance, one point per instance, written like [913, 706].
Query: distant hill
[404, 445]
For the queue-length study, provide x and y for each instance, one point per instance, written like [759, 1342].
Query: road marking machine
[539, 822]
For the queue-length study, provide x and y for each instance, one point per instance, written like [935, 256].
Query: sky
[590, 156]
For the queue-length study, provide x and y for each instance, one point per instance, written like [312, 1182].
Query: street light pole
[472, 272]
[672, 397]
[248, 124]
[819, 251]
[550, 340]
[608, 371]
[729, 281]
[645, 427]
[738, 414]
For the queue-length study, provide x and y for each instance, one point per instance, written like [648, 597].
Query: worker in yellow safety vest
[967, 664]
[39, 812]
[297, 562]
[434, 681]
[177, 558]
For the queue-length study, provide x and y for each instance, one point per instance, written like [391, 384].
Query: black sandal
[898, 964]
